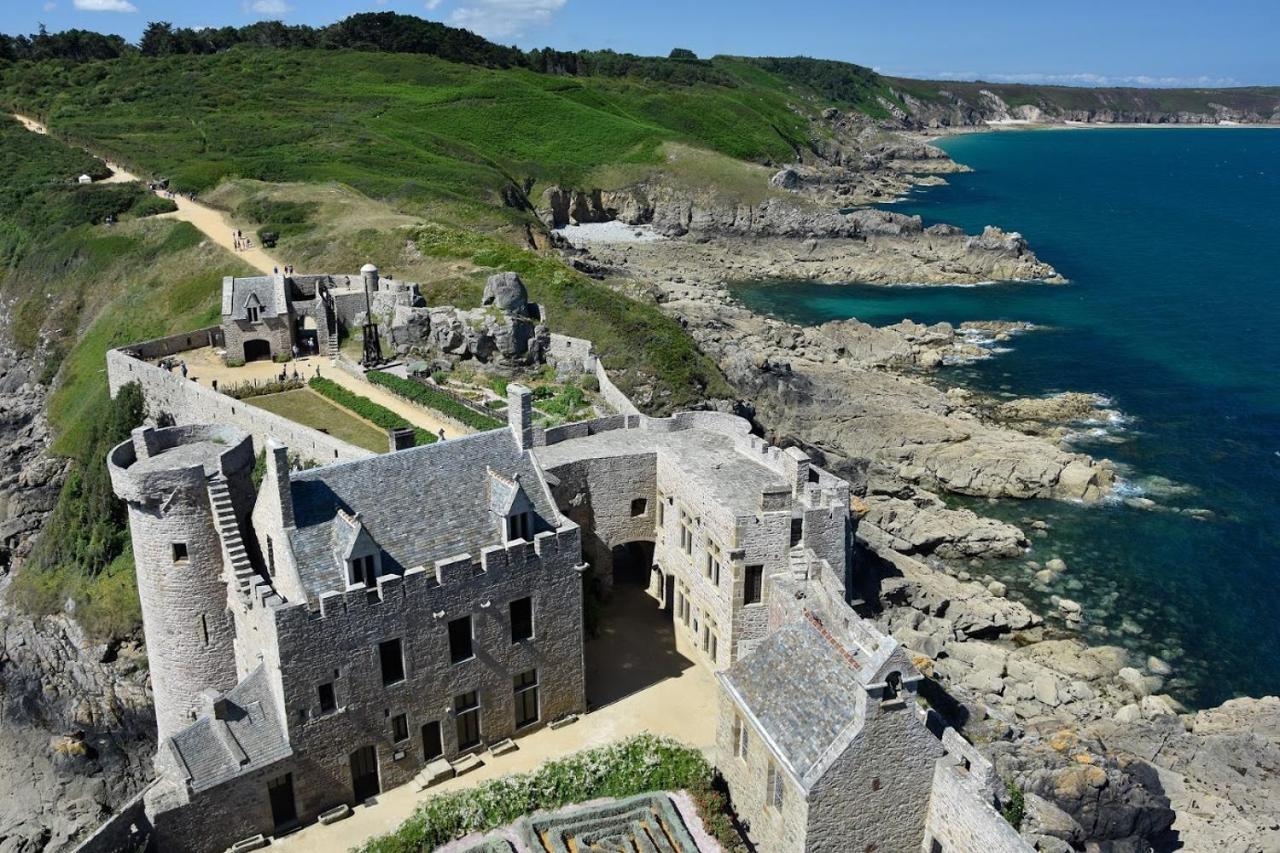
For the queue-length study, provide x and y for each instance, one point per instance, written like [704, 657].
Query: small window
[773, 788]
[713, 562]
[392, 661]
[686, 533]
[179, 552]
[715, 648]
[328, 698]
[525, 687]
[519, 527]
[204, 628]
[363, 572]
[460, 648]
[875, 784]
[752, 585]
[521, 620]
[466, 708]
[400, 728]
[639, 507]
[252, 313]
[662, 511]
[271, 558]
[740, 738]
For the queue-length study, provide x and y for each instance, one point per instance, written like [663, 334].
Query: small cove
[1171, 312]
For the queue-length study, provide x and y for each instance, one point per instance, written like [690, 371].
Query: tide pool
[1169, 239]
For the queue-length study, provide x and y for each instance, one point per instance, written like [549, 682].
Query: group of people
[288, 270]
[240, 241]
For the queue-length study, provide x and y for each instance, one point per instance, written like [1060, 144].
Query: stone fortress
[335, 632]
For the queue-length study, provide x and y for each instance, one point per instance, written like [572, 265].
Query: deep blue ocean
[1171, 241]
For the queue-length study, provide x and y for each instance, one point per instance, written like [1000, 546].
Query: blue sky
[1086, 42]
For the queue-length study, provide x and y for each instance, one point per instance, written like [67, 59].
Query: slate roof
[803, 692]
[269, 291]
[419, 505]
[251, 736]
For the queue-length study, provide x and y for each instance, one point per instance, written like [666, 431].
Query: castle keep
[330, 633]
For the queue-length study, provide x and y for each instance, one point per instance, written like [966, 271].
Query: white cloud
[432, 5]
[105, 6]
[501, 19]
[267, 7]
[49, 6]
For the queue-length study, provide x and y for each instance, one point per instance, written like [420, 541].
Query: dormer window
[362, 571]
[520, 526]
[252, 312]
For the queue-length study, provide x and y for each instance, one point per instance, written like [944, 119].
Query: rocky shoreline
[1106, 760]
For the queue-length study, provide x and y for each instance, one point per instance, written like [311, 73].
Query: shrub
[366, 408]
[432, 398]
[634, 766]
[1016, 808]
[255, 388]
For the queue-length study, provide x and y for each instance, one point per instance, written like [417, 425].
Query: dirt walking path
[214, 224]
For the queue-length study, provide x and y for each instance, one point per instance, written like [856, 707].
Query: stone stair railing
[233, 548]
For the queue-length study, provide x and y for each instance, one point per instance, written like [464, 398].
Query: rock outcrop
[507, 329]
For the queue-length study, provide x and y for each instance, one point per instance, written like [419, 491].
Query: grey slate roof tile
[419, 505]
[801, 689]
[252, 736]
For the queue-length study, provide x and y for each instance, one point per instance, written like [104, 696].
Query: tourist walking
[184, 370]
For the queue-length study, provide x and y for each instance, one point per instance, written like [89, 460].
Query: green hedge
[425, 395]
[366, 408]
[634, 766]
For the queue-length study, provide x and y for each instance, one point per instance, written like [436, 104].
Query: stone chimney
[796, 463]
[370, 275]
[277, 458]
[520, 414]
[401, 438]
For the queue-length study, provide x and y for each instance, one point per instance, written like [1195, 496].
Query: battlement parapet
[425, 582]
[155, 463]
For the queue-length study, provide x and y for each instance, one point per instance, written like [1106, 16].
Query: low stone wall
[174, 344]
[620, 402]
[188, 402]
[961, 817]
[127, 829]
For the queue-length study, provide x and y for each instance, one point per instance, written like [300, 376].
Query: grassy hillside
[73, 286]
[412, 129]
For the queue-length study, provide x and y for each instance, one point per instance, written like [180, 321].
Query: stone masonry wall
[876, 795]
[770, 829]
[188, 402]
[276, 331]
[340, 644]
[961, 818]
[188, 632]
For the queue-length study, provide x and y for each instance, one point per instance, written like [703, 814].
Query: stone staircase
[233, 549]
[798, 558]
[331, 351]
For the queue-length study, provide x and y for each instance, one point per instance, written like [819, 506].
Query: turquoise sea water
[1171, 240]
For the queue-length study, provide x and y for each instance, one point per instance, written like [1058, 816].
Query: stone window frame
[400, 728]
[454, 658]
[363, 570]
[641, 504]
[660, 514]
[253, 313]
[333, 697]
[460, 710]
[741, 739]
[686, 532]
[521, 689]
[774, 795]
[519, 527]
[714, 561]
[382, 659]
[181, 553]
[533, 621]
[755, 570]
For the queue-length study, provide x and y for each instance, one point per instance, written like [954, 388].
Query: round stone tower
[167, 477]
